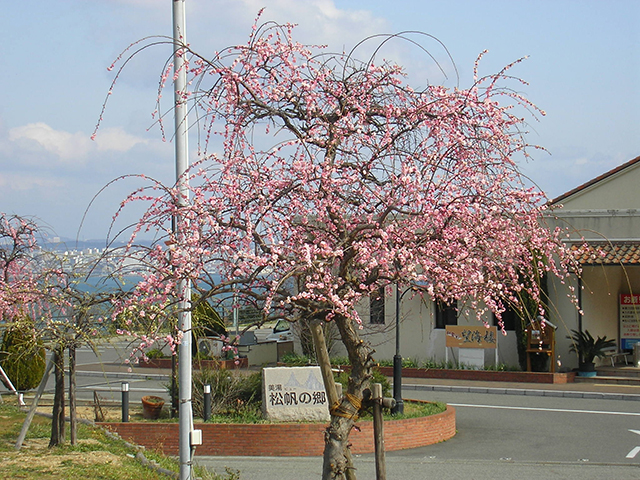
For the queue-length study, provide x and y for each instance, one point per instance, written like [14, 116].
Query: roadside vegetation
[296, 359]
[96, 456]
[237, 397]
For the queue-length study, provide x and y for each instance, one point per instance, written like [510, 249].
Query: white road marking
[635, 431]
[618, 385]
[633, 453]
[537, 409]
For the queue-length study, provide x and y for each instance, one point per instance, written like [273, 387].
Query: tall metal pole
[397, 360]
[184, 286]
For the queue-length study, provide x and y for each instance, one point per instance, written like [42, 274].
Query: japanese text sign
[471, 336]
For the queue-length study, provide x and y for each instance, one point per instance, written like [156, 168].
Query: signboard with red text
[629, 320]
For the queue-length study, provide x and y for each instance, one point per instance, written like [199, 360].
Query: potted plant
[588, 349]
[152, 406]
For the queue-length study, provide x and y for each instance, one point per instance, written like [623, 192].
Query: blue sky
[583, 70]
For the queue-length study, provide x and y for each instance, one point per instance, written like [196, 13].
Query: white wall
[419, 339]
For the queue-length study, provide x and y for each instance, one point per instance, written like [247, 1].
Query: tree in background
[334, 179]
[23, 356]
[20, 284]
[48, 301]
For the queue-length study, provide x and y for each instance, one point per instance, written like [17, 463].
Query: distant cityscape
[88, 257]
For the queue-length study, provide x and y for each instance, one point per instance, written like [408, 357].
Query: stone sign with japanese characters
[294, 393]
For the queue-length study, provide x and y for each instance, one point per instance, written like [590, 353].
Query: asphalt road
[104, 371]
[499, 437]
[398, 468]
[538, 429]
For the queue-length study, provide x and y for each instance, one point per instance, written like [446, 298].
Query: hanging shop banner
[629, 320]
[471, 336]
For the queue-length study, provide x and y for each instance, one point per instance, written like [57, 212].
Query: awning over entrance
[609, 253]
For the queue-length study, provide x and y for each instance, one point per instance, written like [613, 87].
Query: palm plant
[588, 348]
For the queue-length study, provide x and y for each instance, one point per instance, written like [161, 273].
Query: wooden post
[73, 419]
[378, 431]
[324, 362]
[34, 405]
[329, 383]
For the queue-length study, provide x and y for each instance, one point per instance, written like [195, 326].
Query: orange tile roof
[627, 253]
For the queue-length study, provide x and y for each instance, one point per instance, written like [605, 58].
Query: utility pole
[184, 286]
[397, 359]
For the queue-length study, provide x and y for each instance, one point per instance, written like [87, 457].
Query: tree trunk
[57, 421]
[322, 356]
[73, 424]
[337, 456]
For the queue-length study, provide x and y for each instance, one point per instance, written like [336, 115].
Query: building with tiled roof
[602, 223]
[609, 253]
[602, 220]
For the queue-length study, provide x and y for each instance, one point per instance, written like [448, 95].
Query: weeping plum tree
[333, 178]
[46, 301]
[27, 288]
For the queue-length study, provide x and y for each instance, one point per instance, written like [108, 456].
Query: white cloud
[321, 21]
[18, 182]
[153, 4]
[116, 139]
[66, 146]
[71, 147]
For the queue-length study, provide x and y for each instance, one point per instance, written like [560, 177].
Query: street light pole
[397, 360]
[185, 410]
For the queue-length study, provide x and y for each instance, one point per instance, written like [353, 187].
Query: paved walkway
[594, 390]
[277, 468]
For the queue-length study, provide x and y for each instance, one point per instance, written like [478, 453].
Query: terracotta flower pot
[151, 407]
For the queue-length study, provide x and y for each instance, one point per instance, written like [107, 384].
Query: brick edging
[165, 363]
[288, 439]
[483, 375]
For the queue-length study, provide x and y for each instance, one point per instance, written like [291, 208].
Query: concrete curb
[125, 375]
[523, 392]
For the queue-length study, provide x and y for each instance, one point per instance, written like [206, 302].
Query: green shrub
[410, 363]
[385, 363]
[207, 322]
[293, 359]
[376, 377]
[155, 353]
[23, 356]
[340, 361]
[232, 393]
[406, 363]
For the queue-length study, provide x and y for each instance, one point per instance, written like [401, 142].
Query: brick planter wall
[197, 364]
[483, 375]
[288, 439]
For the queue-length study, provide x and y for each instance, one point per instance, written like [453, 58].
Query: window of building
[509, 317]
[376, 307]
[446, 314]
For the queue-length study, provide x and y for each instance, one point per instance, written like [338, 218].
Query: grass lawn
[95, 457]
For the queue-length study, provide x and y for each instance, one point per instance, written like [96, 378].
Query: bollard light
[397, 359]
[207, 402]
[125, 401]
